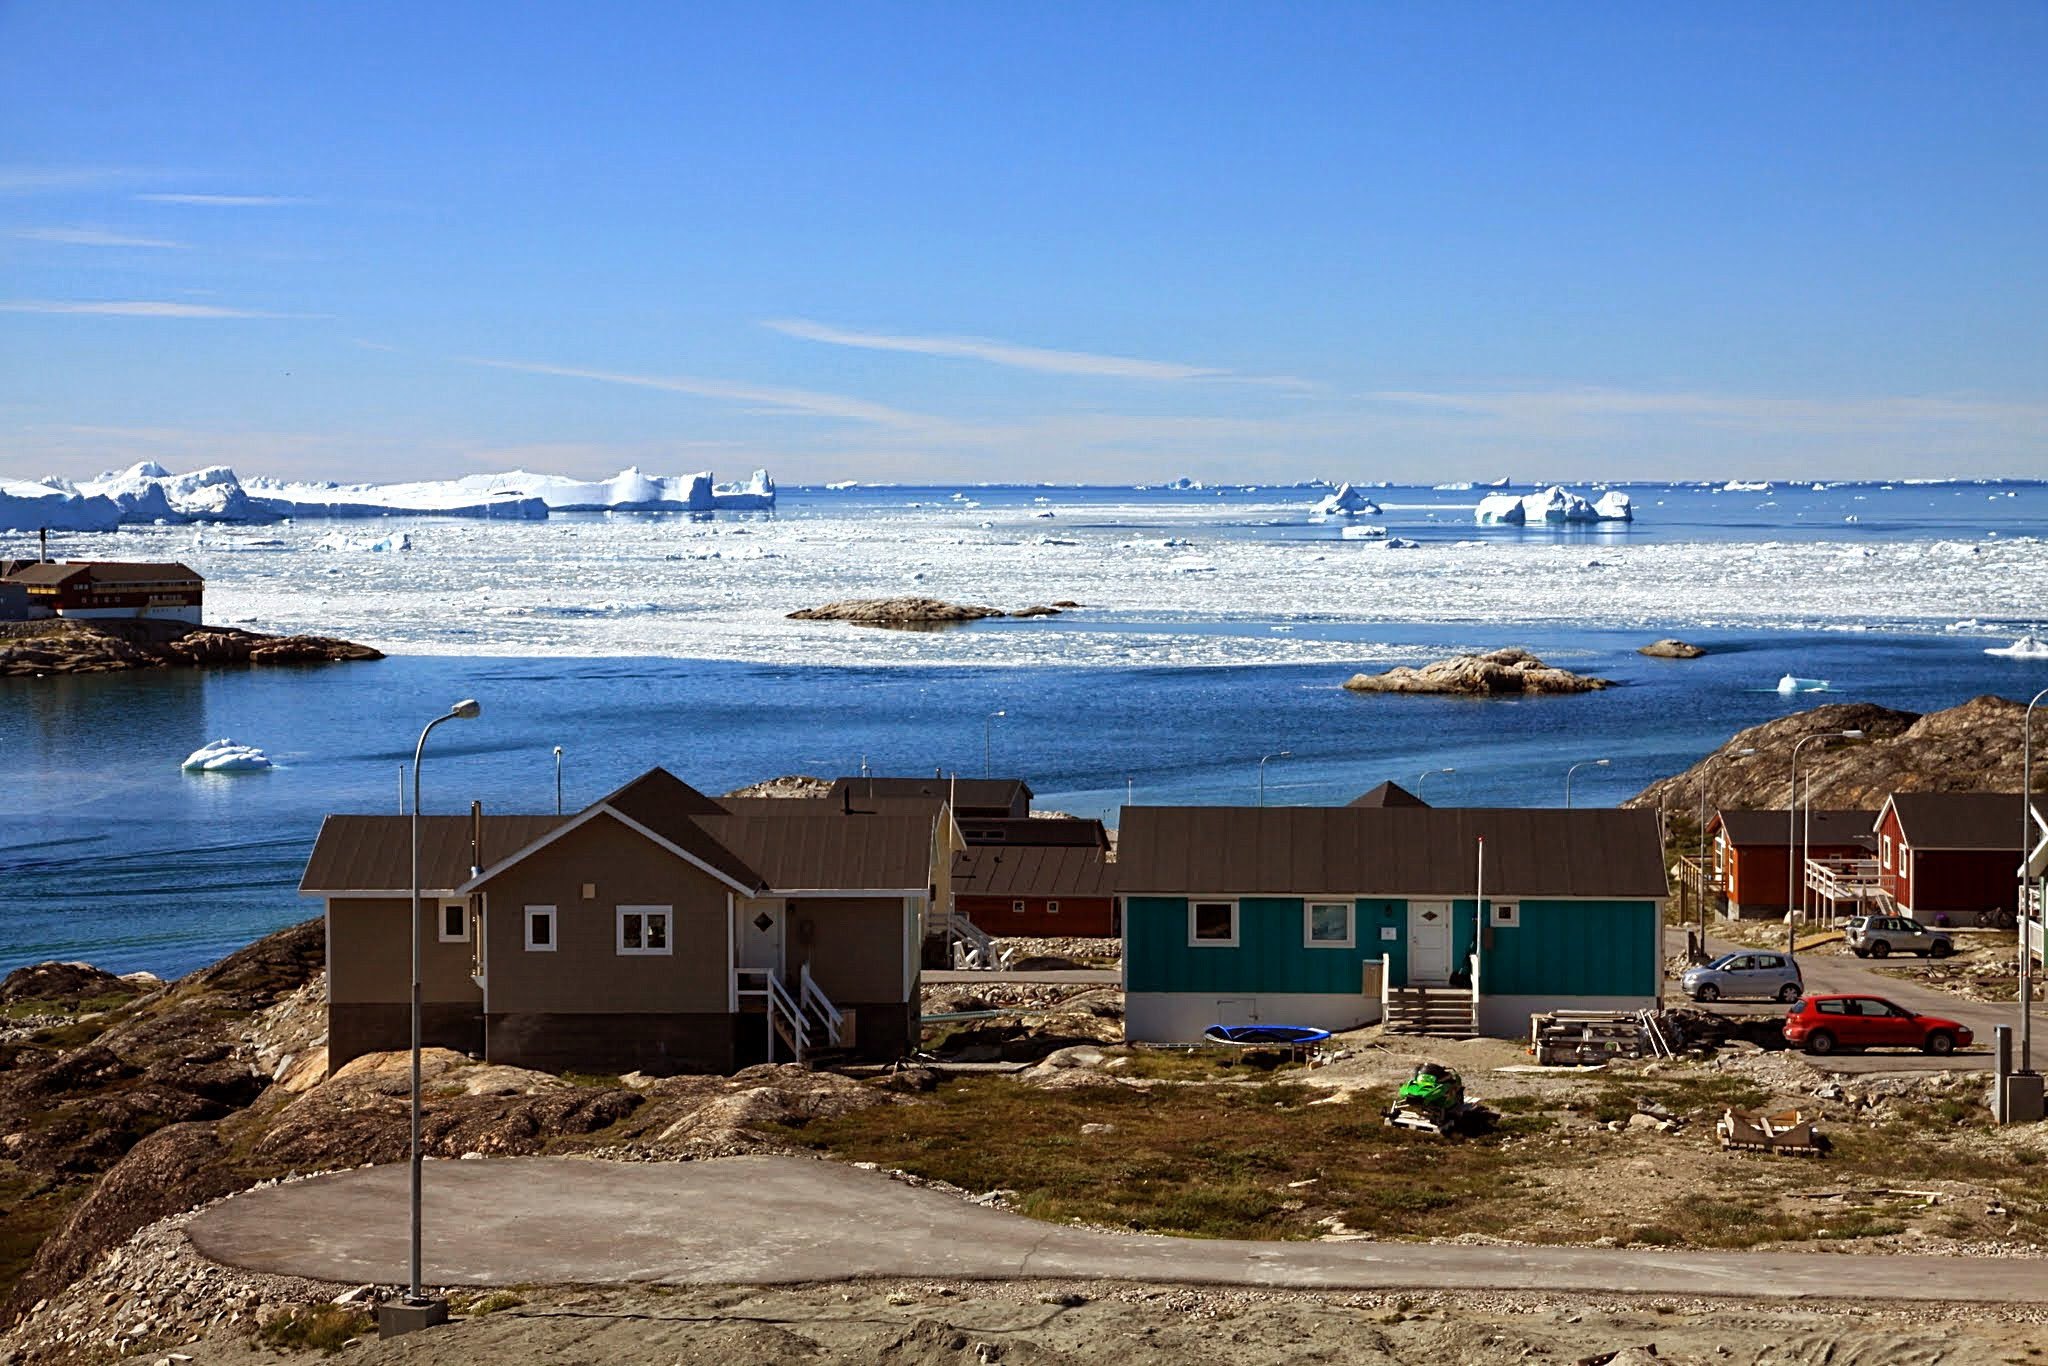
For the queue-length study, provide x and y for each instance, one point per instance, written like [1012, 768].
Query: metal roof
[1034, 870]
[963, 793]
[1835, 828]
[374, 853]
[1023, 830]
[675, 811]
[105, 571]
[826, 849]
[1961, 820]
[1392, 851]
[1387, 794]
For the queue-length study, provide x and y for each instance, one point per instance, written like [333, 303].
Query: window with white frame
[1327, 925]
[1884, 845]
[1052, 908]
[646, 929]
[1016, 908]
[1504, 914]
[454, 922]
[1212, 924]
[540, 929]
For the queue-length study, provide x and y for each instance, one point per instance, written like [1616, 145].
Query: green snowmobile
[1430, 1100]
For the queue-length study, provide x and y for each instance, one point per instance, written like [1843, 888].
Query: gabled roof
[1387, 794]
[1391, 851]
[363, 854]
[817, 846]
[1767, 828]
[1961, 820]
[104, 571]
[1033, 870]
[971, 793]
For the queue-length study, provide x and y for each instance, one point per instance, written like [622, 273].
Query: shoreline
[66, 646]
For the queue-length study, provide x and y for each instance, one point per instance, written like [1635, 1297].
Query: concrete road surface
[782, 1220]
[1837, 974]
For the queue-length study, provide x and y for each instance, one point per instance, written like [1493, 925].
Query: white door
[1429, 943]
[757, 934]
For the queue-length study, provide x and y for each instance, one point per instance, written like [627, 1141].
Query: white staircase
[805, 1021]
[968, 945]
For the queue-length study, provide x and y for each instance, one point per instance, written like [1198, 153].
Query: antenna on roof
[401, 787]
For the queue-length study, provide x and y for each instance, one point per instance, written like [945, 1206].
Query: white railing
[968, 945]
[1837, 880]
[1475, 984]
[785, 1019]
[813, 999]
[1386, 981]
[2034, 932]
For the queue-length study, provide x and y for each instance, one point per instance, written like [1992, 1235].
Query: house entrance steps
[1440, 1012]
[968, 945]
[805, 1020]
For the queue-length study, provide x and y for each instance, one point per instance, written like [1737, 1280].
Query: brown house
[1050, 889]
[1752, 856]
[1952, 857]
[109, 588]
[656, 929]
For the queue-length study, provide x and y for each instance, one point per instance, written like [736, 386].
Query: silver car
[1875, 936]
[1747, 972]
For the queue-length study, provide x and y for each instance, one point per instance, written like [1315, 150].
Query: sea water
[634, 641]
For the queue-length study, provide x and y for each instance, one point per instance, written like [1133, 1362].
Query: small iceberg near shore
[2026, 647]
[1346, 502]
[1788, 685]
[225, 756]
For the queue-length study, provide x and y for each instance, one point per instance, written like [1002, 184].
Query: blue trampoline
[1246, 1035]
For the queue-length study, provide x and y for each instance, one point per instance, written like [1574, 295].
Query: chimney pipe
[476, 839]
[43, 538]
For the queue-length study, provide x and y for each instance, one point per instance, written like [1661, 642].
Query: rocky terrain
[35, 648]
[1972, 747]
[788, 785]
[916, 612]
[1671, 649]
[1493, 673]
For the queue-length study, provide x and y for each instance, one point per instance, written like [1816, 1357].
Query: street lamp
[1429, 773]
[1583, 763]
[463, 710]
[1793, 869]
[988, 727]
[2027, 842]
[1700, 844]
[1283, 754]
[558, 780]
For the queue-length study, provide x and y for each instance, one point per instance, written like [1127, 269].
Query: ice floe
[1789, 684]
[2026, 647]
[1346, 501]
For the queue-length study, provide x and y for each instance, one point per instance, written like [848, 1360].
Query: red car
[1822, 1024]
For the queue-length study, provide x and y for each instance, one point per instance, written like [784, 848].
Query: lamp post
[558, 780]
[988, 727]
[1793, 868]
[1583, 763]
[1429, 773]
[463, 710]
[2027, 842]
[1705, 801]
[1283, 754]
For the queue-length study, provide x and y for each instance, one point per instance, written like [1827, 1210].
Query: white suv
[1875, 936]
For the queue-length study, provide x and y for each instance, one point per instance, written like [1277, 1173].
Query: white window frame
[646, 913]
[1885, 846]
[1016, 908]
[554, 920]
[1236, 926]
[1052, 908]
[1308, 924]
[441, 925]
[1504, 915]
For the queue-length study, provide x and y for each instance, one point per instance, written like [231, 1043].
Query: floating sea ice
[1789, 684]
[1614, 506]
[2026, 647]
[1346, 500]
[225, 756]
[1363, 533]
[1401, 543]
[1500, 509]
[1045, 512]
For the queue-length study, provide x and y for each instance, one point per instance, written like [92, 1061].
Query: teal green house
[1337, 916]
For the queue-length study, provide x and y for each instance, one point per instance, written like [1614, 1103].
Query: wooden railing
[1833, 881]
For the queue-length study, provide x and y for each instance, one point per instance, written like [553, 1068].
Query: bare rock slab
[894, 612]
[1495, 673]
[1671, 649]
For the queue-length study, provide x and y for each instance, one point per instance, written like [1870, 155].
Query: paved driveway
[780, 1220]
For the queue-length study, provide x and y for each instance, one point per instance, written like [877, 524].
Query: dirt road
[776, 1220]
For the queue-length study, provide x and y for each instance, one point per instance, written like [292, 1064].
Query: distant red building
[88, 589]
[1056, 889]
[1952, 855]
[1752, 857]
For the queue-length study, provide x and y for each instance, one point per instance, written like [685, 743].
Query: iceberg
[1554, 504]
[756, 495]
[1745, 486]
[2026, 647]
[1363, 533]
[1500, 509]
[334, 540]
[31, 507]
[147, 492]
[225, 756]
[1614, 506]
[1346, 501]
[1788, 685]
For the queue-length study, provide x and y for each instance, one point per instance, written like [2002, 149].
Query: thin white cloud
[95, 237]
[803, 401]
[139, 308]
[227, 201]
[1009, 354]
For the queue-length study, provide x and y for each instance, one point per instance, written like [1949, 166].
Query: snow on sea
[632, 639]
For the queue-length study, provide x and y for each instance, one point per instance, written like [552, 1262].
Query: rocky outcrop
[1975, 747]
[82, 647]
[895, 612]
[1671, 649]
[1495, 673]
[788, 785]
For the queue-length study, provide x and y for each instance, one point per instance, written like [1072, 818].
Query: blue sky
[995, 241]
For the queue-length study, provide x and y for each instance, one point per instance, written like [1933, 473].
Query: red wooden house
[1752, 856]
[1043, 889]
[1952, 857]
